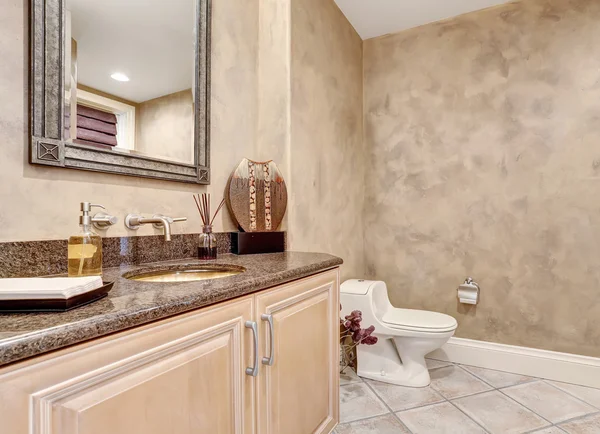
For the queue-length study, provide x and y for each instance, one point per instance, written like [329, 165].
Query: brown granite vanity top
[133, 303]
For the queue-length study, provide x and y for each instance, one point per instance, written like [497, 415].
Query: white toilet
[405, 336]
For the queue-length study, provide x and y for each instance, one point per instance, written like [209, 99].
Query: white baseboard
[551, 365]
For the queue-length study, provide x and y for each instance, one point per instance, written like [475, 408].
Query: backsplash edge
[42, 258]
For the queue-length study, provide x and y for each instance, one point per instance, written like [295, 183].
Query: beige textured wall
[326, 152]
[165, 127]
[260, 81]
[483, 160]
[43, 203]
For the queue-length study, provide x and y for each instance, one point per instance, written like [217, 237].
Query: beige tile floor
[463, 400]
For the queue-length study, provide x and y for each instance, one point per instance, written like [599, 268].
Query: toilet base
[399, 378]
[398, 360]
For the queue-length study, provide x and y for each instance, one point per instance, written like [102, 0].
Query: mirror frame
[47, 97]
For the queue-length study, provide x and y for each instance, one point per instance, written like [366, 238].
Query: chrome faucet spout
[134, 221]
[158, 221]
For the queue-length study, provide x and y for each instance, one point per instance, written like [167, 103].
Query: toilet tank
[356, 286]
[368, 296]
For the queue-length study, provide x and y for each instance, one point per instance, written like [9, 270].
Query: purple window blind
[96, 126]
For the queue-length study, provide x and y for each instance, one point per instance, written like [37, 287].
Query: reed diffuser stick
[207, 202]
[198, 206]
[217, 212]
[203, 204]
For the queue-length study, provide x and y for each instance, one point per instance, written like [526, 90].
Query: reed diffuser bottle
[207, 243]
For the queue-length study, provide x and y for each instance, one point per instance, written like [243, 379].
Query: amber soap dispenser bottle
[85, 248]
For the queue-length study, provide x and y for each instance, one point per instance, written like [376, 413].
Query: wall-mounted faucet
[134, 221]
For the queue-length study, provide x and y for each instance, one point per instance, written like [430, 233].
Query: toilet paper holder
[468, 292]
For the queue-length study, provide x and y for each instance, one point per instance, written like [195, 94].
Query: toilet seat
[419, 320]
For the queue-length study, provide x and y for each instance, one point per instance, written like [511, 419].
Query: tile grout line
[469, 417]
[575, 419]
[444, 400]
[478, 393]
[358, 380]
[540, 380]
[572, 384]
[476, 376]
[361, 381]
[351, 383]
[493, 388]
[533, 379]
[535, 430]
[500, 391]
[363, 419]
[570, 394]
[463, 396]
[473, 375]
[388, 407]
[523, 405]
[441, 367]
[421, 405]
[438, 360]
[468, 394]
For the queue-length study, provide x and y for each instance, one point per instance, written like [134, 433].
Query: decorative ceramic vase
[256, 196]
[207, 245]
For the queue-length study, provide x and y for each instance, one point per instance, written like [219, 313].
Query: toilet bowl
[405, 336]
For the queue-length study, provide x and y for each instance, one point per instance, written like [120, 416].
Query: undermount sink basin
[186, 273]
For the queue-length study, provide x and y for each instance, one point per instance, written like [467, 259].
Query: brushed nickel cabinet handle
[253, 372]
[269, 360]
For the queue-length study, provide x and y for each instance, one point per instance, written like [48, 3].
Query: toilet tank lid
[357, 286]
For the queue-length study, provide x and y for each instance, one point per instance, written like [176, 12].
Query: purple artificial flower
[369, 340]
[359, 335]
[353, 320]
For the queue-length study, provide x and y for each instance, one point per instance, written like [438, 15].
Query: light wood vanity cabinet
[298, 394]
[187, 374]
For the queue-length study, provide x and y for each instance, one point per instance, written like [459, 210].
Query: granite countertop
[132, 303]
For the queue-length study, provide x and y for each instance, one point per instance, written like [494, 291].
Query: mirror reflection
[130, 82]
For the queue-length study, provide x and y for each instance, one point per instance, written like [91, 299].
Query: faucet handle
[179, 219]
[103, 220]
[132, 221]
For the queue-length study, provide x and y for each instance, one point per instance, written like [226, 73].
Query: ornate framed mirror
[122, 87]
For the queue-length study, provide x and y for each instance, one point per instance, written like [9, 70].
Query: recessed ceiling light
[119, 77]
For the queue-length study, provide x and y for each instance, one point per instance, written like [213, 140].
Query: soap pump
[85, 248]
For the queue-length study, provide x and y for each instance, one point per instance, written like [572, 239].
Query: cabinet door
[180, 376]
[299, 392]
